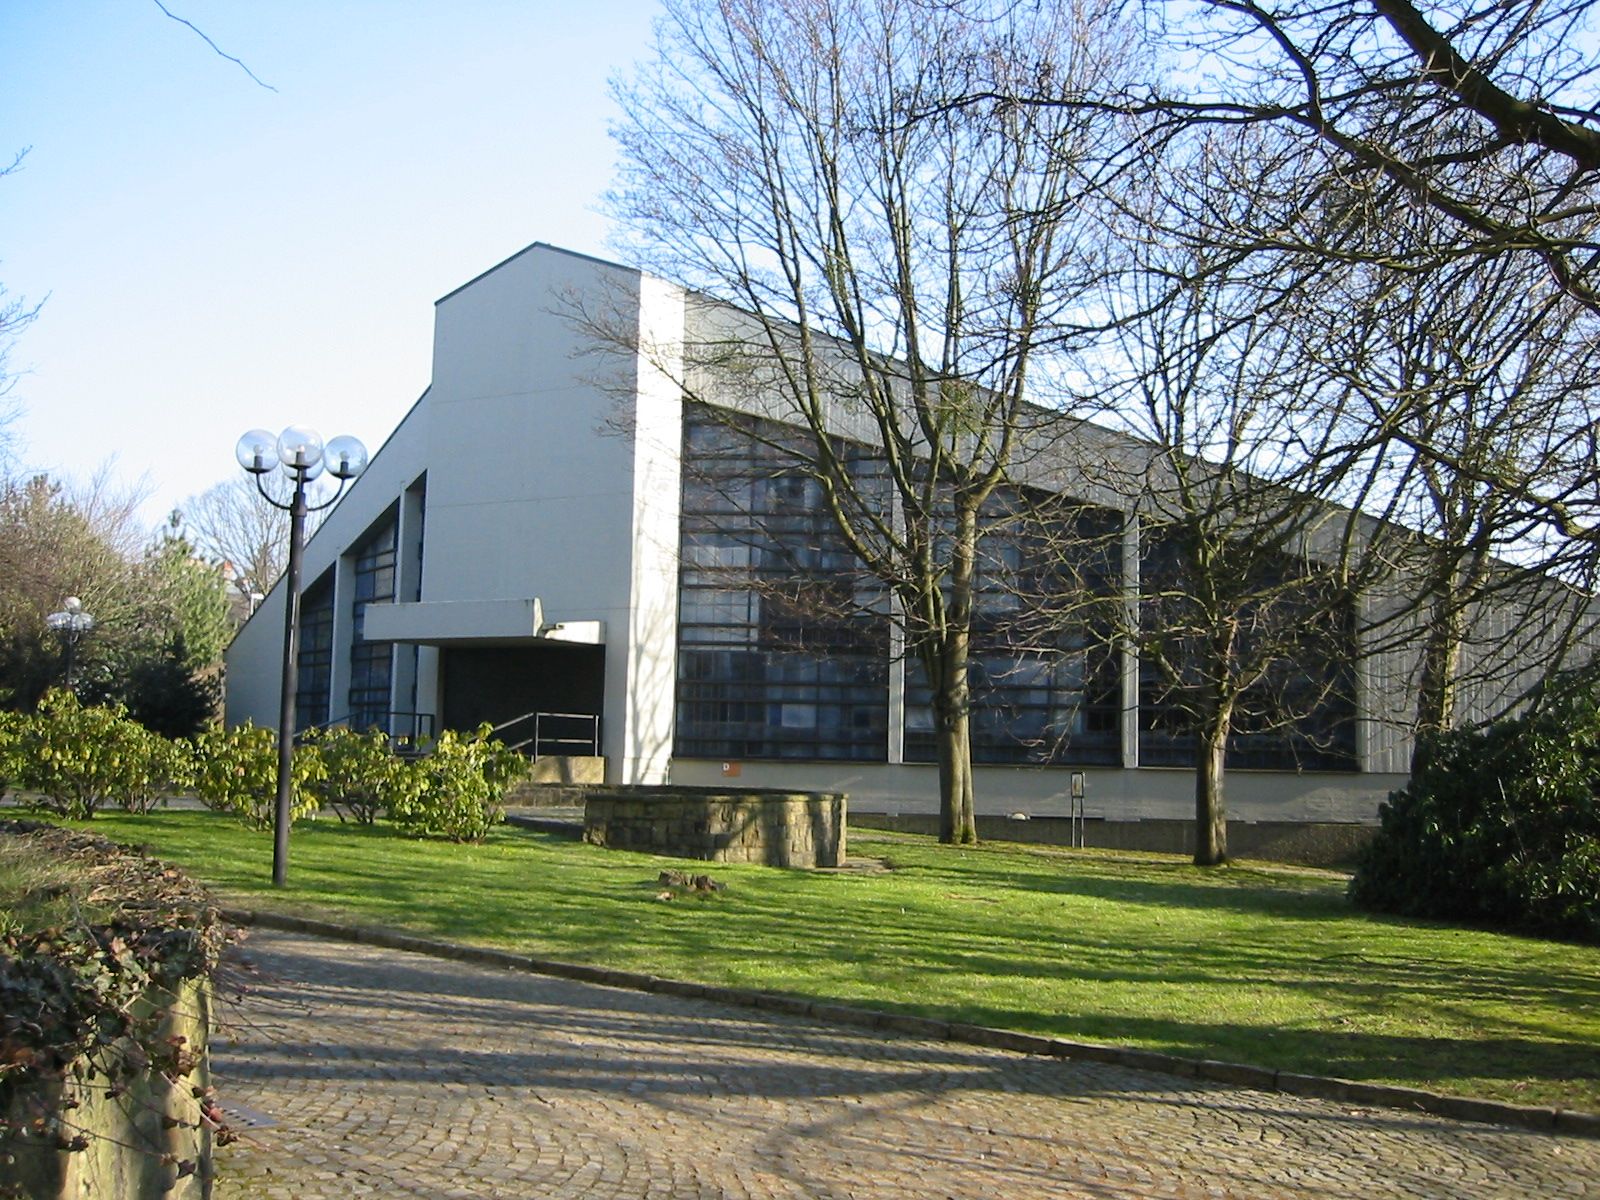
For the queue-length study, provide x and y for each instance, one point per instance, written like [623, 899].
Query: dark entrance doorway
[549, 697]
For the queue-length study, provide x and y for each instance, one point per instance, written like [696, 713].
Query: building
[528, 548]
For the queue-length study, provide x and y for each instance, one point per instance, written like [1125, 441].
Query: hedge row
[72, 760]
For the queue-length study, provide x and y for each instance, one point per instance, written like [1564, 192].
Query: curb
[1347, 1091]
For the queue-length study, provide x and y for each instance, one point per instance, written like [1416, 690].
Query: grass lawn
[1270, 967]
[35, 893]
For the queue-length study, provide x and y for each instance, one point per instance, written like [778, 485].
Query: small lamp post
[300, 454]
[71, 623]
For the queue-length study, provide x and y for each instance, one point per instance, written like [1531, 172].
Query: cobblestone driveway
[388, 1073]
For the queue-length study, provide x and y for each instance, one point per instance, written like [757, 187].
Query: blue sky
[214, 256]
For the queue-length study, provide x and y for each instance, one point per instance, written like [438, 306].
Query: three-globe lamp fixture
[299, 453]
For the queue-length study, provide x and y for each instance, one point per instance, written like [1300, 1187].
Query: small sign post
[1080, 786]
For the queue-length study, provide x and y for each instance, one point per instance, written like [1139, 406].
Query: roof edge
[529, 249]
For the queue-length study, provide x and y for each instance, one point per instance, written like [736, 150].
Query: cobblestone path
[392, 1074]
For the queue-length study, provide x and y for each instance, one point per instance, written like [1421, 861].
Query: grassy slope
[34, 894]
[1267, 967]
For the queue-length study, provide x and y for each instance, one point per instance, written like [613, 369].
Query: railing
[547, 734]
[553, 734]
[407, 730]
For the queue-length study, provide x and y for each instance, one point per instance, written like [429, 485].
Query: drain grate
[241, 1116]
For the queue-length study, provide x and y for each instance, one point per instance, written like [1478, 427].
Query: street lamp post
[71, 623]
[300, 454]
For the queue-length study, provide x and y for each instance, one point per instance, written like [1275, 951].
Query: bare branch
[207, 40]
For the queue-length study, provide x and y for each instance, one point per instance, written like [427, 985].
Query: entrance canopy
[474, 623]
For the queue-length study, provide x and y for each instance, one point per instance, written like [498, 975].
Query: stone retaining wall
[145, 1140]
[778, 829]
[553, 780]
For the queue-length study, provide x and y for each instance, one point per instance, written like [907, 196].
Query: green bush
[169, 697]
[8, 739]
[79, 758]
[463, 780]
[236, 770]
[362, 775]
[1500, 826]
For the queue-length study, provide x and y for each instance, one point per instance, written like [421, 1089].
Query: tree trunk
[953, 697]
[957, 824]
[1210, 808]
[1441, 666]
[952, 702]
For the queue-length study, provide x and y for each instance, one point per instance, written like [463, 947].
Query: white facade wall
[533, 471]
[539, 486]
[649, 679]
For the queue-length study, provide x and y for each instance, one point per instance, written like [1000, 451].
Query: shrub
[1500, 825]
[78, 758]
[236, 770]
[362, 775]
[8, 738]
[463, 780]
[167, 696]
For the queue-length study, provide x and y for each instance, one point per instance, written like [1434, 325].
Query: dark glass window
[1044, 671]
[1299, 715]
[782, 647]
[419, 541]
[371, 663]
[314, 656]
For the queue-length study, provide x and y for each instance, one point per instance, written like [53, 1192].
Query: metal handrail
[548, 736]
[421, 726]
[580, 744]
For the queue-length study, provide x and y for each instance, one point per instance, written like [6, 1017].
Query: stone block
[774, 828]
[136, 1138]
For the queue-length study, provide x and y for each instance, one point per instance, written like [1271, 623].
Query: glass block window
[371, 663]
[1300, 715]
[782, 647]
[314, 655]
[1044, 672]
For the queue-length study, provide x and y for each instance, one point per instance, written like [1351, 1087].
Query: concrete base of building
[557, 780]
[1314, 844]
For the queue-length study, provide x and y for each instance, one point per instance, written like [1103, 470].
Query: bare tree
[16, 314]
[216, 49]
[1248, 576]
[1485, 114]
[233, 525]
[896, 271]
[1433, 150]
[1444, 168]
[1478, 382]
[1362, 269]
